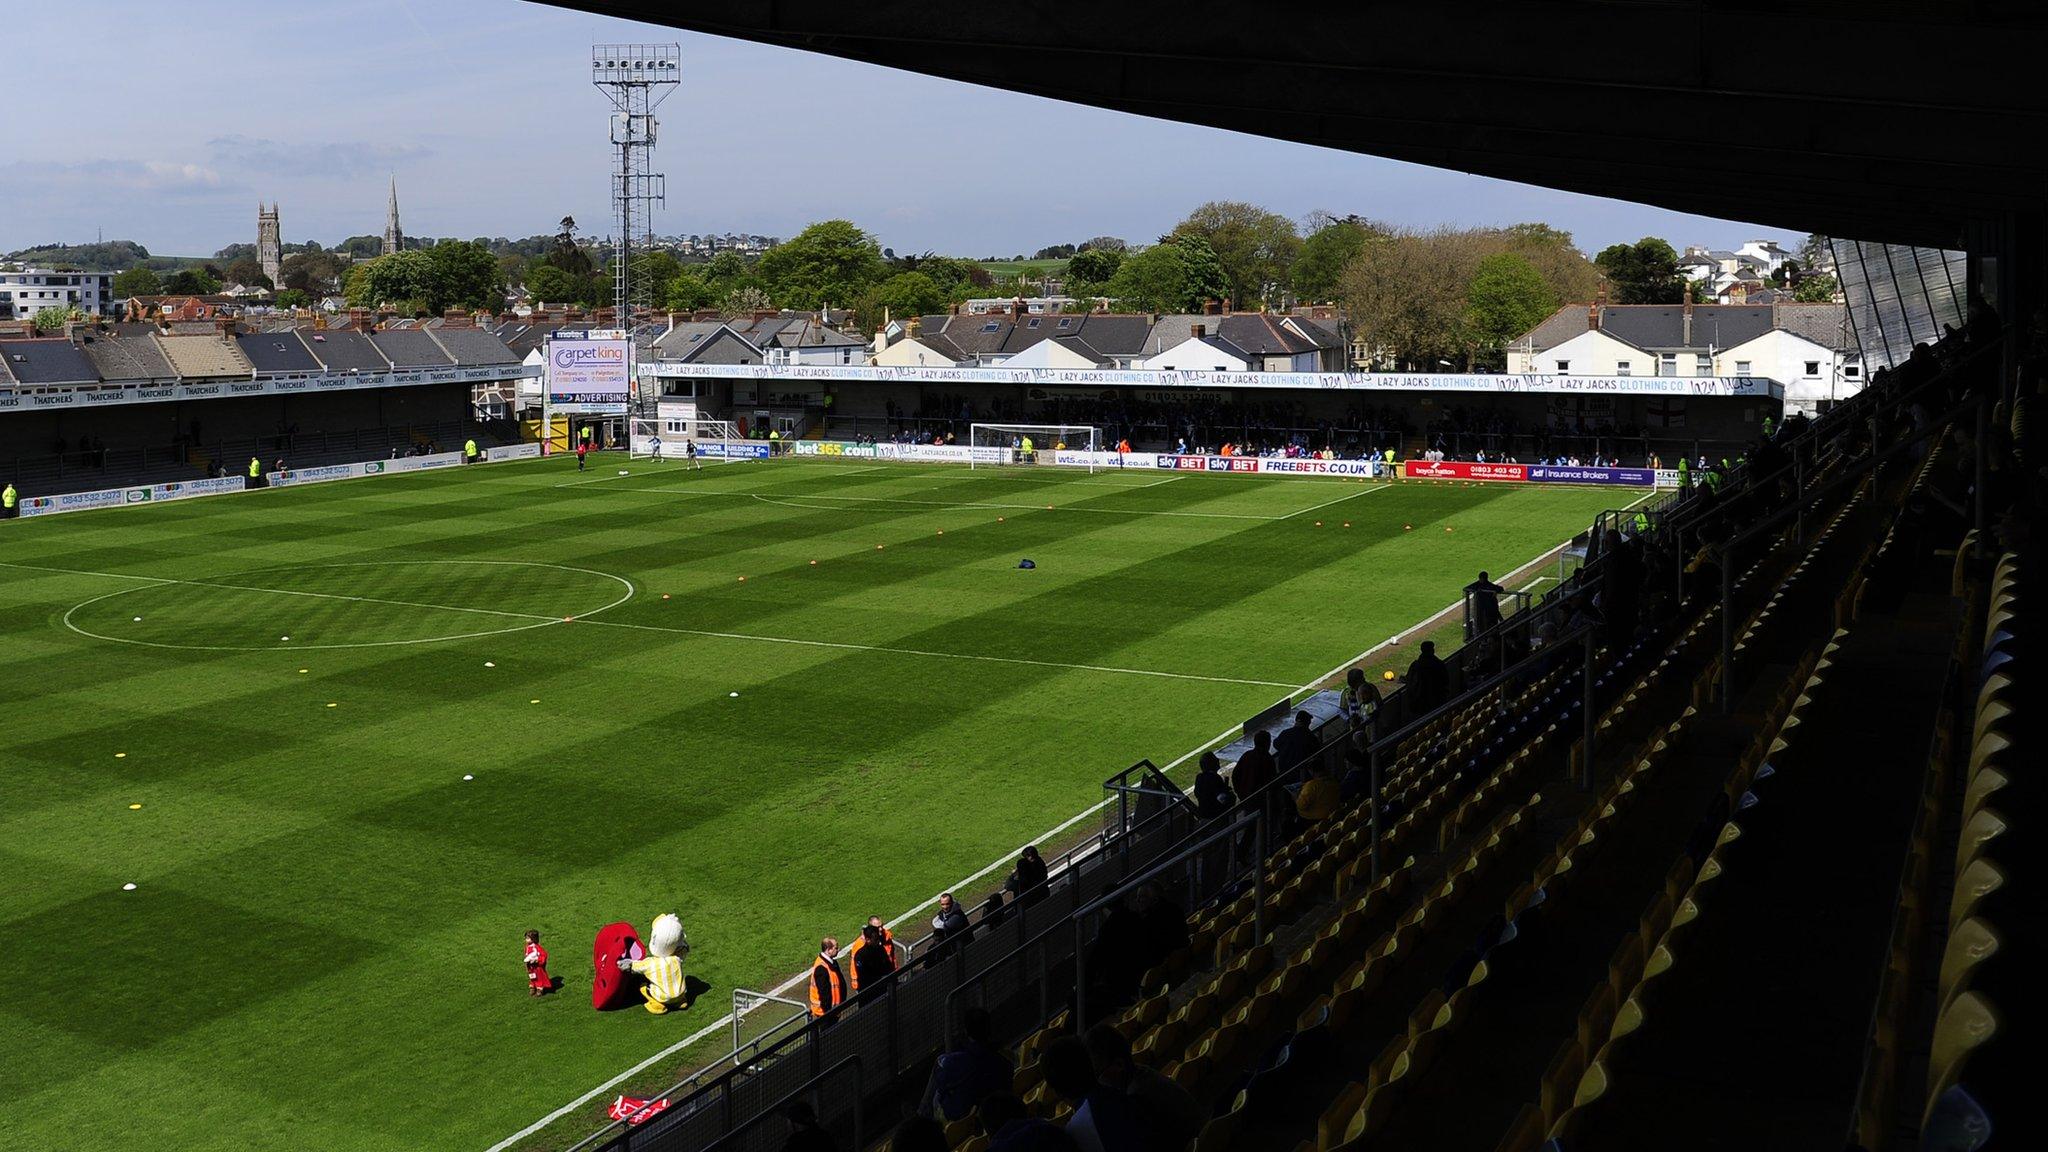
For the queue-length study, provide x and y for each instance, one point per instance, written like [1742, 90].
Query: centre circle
[354, 604]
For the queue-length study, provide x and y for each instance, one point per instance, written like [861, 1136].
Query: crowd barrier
[187, 489]
[138, 494]
[322, 475]
[1248, 465]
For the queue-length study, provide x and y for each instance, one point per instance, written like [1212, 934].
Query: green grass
[1031, 268]
[321, 950]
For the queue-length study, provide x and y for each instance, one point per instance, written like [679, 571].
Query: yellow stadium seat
[1972, 943]
[1964, 1026]
[1980, 879]
[1336, 1119]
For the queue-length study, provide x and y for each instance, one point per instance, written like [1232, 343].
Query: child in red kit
[537, 965]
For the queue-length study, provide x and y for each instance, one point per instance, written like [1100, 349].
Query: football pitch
[774, 697]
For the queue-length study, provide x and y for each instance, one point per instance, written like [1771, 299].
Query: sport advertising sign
[1553, 474]
[732, 450]
[1313, 467]
[1462, 470]
[513, 452]
[589, 375]
[1530, 473]
[835, 448]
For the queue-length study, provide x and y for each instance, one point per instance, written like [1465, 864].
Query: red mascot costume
[611, 988]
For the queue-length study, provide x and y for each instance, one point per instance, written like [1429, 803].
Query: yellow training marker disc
[134, 807]
[120, 755]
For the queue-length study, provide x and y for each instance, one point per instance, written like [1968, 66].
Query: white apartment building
[27, 291]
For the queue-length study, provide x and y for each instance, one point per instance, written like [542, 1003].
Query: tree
[361, 247]
[1256, 247]
[1556, 257]
[293, 298]
[1645, 272]
[1816, 289]
[1103, 244]
[1053, 252]
[1176, 275]
[567, 254]
[1407, 295]
[1093, 266]
[1319, 268]
[1816, 251]
[908, 294]
[244, 270]
[1507, 297]
[741, 301]
[138, 282]
[831, 261]
[191, 282]
[688, 291]
[401, 278]
[53, 318]
[550, 285]
[463, 274]
[315, 273]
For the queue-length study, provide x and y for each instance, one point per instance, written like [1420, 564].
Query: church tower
[394, 238]
[269, 244]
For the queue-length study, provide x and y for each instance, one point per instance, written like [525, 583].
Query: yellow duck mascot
[662, 968]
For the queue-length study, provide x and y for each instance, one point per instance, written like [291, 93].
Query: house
[1198, 351]
[1268, 341]
[210, 357]
[1078, 340]
[1764, 255]
[51, 362]
[1808, 348]
[707, 342]
[175, 307]
[799, 338]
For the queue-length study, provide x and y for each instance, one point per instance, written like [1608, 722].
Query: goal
[995, 445]
[718, 442]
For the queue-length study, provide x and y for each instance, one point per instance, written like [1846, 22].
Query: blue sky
[484, 112]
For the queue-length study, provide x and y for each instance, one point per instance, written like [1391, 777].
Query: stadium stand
[126, 442]
[1589, 904]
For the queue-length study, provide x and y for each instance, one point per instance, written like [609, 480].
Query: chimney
[1685, 334]
[914, 329]
[1212, 307]
[1016, 307]
[761, 314]
[1593, 317]
[1198, 330]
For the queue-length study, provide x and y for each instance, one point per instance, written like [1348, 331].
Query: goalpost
[995, 445]
[718, 442]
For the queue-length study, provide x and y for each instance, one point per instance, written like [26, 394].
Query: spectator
[1168, 1110]
[1360, 700]
[1318, 797]
[993, 909]
[874, 955]
[1212, 795]
[805, 1133]
[1296, 744]
[949, 924]
[1429, 682]
[1255, 768]
[1104, 1120]
[966, 1074]
[1027, 880]
[1010, 1128]
[1483, 599]
[918, 1134]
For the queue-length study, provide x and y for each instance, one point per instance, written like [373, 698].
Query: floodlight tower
[636, 78]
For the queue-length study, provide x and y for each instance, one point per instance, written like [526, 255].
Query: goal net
[995, 445]
[716, 441]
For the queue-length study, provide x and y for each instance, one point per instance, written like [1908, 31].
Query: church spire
[394, 237]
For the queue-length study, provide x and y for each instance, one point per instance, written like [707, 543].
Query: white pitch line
[1338, 500]
[725, 1021]
[993, 504]
[585, 618]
